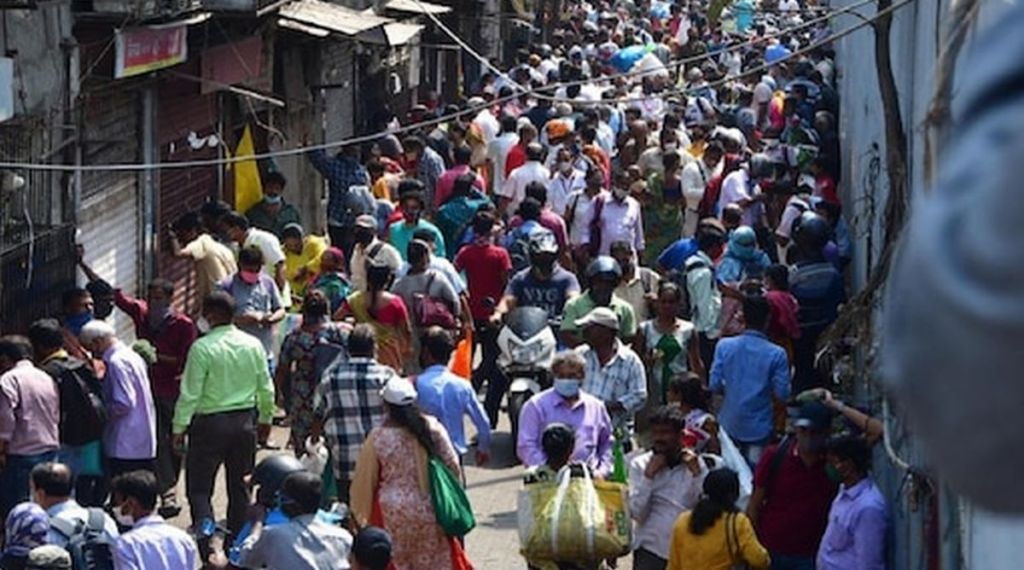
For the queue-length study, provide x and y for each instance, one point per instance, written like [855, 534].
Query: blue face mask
[76, 322]
[567, 387]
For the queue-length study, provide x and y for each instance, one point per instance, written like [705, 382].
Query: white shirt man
[564, 182]
[579, 210]
[621, 220]
[695, 178]
[655, 502]
[497, 151]
[514, 188]
[738, 188]
[273, 254]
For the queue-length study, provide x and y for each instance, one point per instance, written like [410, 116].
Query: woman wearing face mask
[386, 312]
[667, 344]
[26, 528]
[298, 373]
[663, 206]
[565, 403]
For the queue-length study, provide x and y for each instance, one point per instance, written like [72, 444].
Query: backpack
[88, 544]
[519, 244]
[82, 413]
[428, 311]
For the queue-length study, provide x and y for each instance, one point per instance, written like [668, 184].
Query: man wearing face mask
[258, 302]
[272, 213]
[618, 219]
[150, 543]
[369, 248]
[603, 276]
[412, 204]
[305, 542]
[792, 491]
[858, 512]
[77, 309]
[565, 181]
[566, 403]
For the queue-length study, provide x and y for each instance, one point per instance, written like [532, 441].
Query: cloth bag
[574, 519]
[451, 505]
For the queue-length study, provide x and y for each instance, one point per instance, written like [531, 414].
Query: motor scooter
[526, 346]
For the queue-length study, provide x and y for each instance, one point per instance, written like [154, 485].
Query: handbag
[732, 542]
[451, 505]
[594, 246]
[429, 311]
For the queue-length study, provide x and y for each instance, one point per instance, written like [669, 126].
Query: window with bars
[35, 207]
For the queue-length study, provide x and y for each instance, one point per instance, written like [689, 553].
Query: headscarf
[743, 243]
[26, 528]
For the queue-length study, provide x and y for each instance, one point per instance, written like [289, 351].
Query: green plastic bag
[451, 505]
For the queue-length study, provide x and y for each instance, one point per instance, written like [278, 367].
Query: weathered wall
[965, 537]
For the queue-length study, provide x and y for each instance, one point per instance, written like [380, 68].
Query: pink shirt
[29, 410]
[445, 182]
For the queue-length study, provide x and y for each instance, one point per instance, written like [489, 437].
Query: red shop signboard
[141, 50]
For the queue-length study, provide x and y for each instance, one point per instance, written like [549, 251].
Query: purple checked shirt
[587, 417]
[855, 536]
[131, 417]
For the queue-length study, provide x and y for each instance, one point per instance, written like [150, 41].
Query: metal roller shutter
[110, 208]
[338, 71]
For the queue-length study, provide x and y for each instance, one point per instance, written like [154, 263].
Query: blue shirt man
[448, 397]
[749, 369]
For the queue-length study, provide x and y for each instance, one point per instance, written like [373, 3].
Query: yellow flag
[248, 187]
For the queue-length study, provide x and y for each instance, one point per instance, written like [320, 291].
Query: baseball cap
[366, 221]
[602, 316]
[399, 392]
[813, 415]
[372, 548]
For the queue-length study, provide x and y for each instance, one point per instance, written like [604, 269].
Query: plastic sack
[624, 59]
[462, 358]
[574, 519]
[316, 456]
[733, 459]
[649, 65]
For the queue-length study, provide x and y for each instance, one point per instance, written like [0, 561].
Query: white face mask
[670, 147]
[565, 167]
[124, 519]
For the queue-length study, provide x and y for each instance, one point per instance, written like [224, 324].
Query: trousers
[225, 438]
[168, 463]
[497, 384]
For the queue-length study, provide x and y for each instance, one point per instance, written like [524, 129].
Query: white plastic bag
[733, 459]
[316, 456]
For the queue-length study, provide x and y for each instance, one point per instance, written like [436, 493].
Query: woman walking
[304, 355]
[390, 487]
[715, 535]
[385, 312]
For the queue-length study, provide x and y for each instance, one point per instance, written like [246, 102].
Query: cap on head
[813, 415]
[601, 316]
[366, 221]
[399, 392]
[372, 547]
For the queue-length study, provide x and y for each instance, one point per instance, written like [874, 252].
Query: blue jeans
[787, 562]
[14, 478]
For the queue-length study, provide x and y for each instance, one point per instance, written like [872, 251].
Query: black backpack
[88, 544]
[82, 413]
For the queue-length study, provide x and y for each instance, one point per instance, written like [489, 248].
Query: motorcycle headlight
[528, 353]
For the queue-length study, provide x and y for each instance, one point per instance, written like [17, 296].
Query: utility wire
[429, 122]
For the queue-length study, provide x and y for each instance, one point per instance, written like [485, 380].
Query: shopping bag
[451, 505]
[574, 519]
[733, 459]
[462, 359]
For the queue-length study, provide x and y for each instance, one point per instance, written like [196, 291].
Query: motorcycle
[526, 346]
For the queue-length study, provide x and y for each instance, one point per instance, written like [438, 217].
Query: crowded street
[542, 285]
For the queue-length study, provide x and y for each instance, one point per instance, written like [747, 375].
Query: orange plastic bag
[462, 358]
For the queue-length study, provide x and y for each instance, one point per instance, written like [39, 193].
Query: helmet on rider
[604, 266]
[271, 472]
[543, 251]
[603, 276]
[811, 233]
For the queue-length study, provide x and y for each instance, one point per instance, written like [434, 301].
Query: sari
[388, 323]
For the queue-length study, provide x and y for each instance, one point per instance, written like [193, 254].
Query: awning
[399, 34]
[314, 14]
[416, 7]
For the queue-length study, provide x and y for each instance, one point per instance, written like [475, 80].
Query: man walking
[448, 397]
[50, 485]
[171, 333]
[258, 302]
[29, 414]
[225, 390]
[129, 439]
[855, 536]
[151, 544]
[749, 369]
[614, 373]
[349, 405]
[664, 483]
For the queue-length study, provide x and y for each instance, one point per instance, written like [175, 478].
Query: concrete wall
[963, 536]
[40, 66]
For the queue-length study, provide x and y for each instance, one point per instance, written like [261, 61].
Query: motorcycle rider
[544, 284]
[603, 275]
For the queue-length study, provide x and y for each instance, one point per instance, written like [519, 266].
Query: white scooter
[526, 346]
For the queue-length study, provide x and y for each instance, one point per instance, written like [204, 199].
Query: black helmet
[811, 232]
[542, 242]
[604, 265]
[272, 471]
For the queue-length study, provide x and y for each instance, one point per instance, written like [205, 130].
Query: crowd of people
[663, 183]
